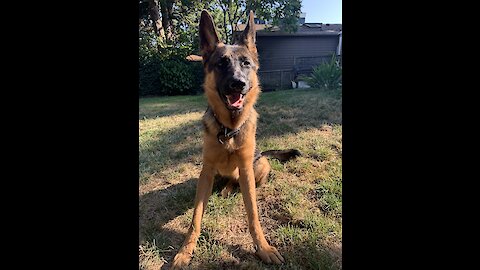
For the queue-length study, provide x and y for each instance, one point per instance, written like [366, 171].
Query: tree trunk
[163, 10]
[171, 29]
[225, 25]
[157, 25]
[233, 22]
[229, 8]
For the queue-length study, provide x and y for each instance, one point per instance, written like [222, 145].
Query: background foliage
[168, 32]
[327, 76]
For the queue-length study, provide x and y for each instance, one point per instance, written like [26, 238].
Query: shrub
[327, 75]
[174, 76]
[163, 69]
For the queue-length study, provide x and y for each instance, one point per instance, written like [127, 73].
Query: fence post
[281, 79]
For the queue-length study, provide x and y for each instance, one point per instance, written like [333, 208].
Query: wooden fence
[272, 79]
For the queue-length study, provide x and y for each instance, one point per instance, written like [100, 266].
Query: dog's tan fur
[234, 158]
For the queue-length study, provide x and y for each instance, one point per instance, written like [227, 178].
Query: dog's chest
[224, 140]
[233, 144]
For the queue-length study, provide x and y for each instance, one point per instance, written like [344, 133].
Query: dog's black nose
[237, 84]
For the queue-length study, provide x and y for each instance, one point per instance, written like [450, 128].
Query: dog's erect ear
[208, 34]
[247, 38]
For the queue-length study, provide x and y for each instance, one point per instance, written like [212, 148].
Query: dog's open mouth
[235, 100]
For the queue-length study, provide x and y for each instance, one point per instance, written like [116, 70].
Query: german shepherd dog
[232, 87]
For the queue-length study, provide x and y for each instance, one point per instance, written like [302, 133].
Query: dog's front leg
[204, 190]
[266, 252]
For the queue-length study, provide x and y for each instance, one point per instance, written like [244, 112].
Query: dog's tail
[282, 155]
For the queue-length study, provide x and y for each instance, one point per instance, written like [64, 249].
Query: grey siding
[278, 52]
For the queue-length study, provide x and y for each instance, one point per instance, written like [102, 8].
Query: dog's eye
[246, 63]
[222, 63]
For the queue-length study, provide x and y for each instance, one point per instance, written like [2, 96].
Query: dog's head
[232, 68]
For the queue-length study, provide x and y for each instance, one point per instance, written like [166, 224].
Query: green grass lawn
[300, 207]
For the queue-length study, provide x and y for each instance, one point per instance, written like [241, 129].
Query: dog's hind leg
[261, 168]
[228, 189]
[204, 190]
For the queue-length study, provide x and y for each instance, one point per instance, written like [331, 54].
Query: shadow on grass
[159, 207]
[164, 150]
[170, 106]
[310, 256]
[241, 257]
[281, 113]
[290, 112]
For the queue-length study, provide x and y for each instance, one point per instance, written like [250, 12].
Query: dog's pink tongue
[236, 100]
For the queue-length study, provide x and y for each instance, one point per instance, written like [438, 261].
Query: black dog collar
[226, 134]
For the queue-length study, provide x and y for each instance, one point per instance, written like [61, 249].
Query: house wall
[278, 52]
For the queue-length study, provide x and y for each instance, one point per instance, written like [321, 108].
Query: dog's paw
[181, 260]
[269, 254]
[226, 191]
